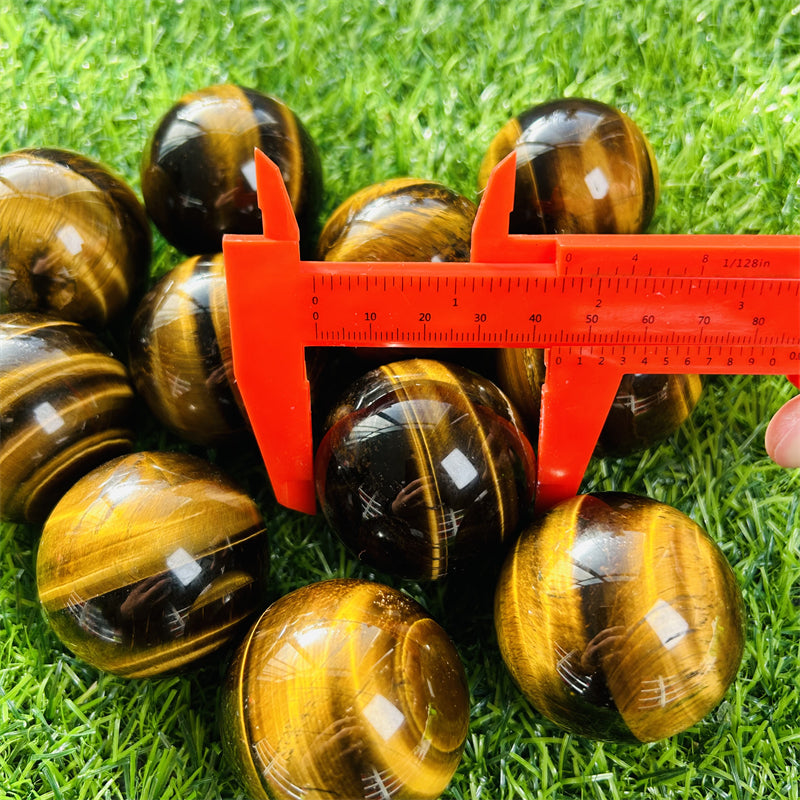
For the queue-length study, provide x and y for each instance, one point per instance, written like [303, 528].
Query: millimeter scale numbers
[601, 306]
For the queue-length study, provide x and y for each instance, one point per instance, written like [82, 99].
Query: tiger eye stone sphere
[582, 167]
[403, 219]
[345, 689]
[198, 169]
[74, 239]
[425, 469]
[646, 409]
[619, 618]
[180, 354]
[151, 562]
[66, 406]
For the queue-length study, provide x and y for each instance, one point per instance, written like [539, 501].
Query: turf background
[392, 88]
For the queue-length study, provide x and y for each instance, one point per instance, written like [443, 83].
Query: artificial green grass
[395, 88]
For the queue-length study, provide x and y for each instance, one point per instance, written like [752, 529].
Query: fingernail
[787, 450]
[782, 439]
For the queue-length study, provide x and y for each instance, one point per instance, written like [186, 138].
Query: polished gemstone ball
[425, 469]
[198, 169]
[585, 167]
[402, 219]
[74, 239]
[180, 354]
[582, 167]
[619, 618]
[150, 562]
[345, 689]
[66, 406]
[646, 410]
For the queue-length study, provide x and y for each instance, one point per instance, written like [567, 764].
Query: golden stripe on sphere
[598, 189]
[402, 219]
[193, 513]
[422, 440]
[33, 459]
[172, 360]
[292, 151]
[643, 156]
[45, 415]
[41, 487]
[230, 136]
[155, 659]
[237, 709]
[539, 615]
[220, 317]
[489, 463]
[43, 375]
[520, 374]
[501, 145]
[176, 356]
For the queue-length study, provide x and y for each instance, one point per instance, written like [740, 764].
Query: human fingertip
[782, 438]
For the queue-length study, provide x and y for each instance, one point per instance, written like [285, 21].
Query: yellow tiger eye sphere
[151, 562]
[74, 239]
[66, 406]
[403, 219]
[582, 167]
[425, 469]
[345, 689]
[619, 618]
[180, 354]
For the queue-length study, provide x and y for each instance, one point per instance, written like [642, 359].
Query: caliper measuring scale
[601, 306]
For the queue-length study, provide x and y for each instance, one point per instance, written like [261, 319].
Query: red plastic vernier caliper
[600, 305]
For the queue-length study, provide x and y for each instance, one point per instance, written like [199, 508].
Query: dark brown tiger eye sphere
[150, 562]
[425, 469]
[345, 689]
[619, 618]
[646, 410]
[66, 405]
[180, 354]
[403, 219]
[198, 169]
[582, 167]
[74, 239]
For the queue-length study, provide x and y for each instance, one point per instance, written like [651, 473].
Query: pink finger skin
[782, 439]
